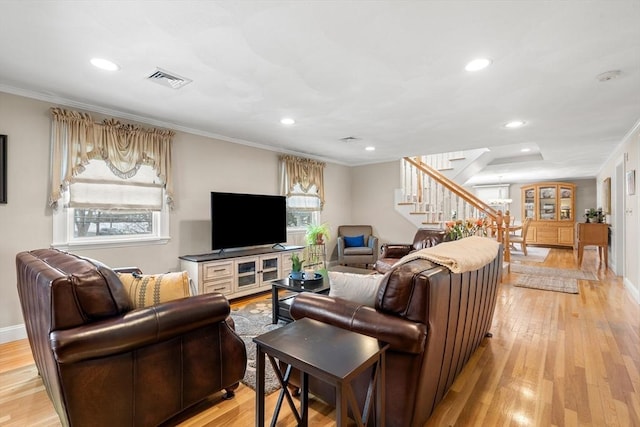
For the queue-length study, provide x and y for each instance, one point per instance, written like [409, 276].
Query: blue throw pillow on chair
[354, 241]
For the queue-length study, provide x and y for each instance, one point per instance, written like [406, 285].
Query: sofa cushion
[429, 237]
[94, 296]
[405, 291]
[151, 289]
[359, 250]
[354, 241]
[88, 289]
[359, 288]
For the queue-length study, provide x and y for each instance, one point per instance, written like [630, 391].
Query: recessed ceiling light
[478, 64]
[104, 64]
[526, 150]
[514, 124]
[287, 121]
[370, 148]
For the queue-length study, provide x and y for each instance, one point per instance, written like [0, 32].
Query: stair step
[445, 169]
[457, 158]
[406, 203]
[417, 213]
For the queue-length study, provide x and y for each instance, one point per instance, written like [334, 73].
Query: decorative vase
[296, 275]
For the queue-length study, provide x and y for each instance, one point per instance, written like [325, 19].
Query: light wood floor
[554, 360]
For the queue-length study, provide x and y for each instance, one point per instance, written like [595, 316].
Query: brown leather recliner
[433, 319]
[106, 364]
[392, 252]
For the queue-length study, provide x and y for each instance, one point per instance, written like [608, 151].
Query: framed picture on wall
[3, 168]
[631, 182]
[606, 196]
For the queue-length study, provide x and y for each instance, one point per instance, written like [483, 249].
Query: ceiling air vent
[349, 139]
[168, 79]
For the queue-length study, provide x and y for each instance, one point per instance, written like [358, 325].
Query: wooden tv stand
[237, 273]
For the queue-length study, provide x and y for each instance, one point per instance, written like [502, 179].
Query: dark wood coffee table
[331, 354]
[280, 306]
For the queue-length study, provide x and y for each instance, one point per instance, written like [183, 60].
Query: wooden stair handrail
[502, 222]
[453, 187]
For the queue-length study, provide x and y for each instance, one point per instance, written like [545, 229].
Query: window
[110, 181]
[303, 208]
[302, 181]
[102, 209]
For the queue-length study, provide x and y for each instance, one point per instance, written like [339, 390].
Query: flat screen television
[242, 220]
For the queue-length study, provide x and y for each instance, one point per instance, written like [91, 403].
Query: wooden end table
[593, 234]
[329, 353]
[280, 306]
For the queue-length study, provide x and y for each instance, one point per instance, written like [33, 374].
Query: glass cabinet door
[529, 203]
[246, 273]
[547, 203]
[269, 269]
[566, 198]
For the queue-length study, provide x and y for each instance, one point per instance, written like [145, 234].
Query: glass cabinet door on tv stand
[256, 271]
[246, 272]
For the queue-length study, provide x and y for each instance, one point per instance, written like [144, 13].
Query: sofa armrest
[402, 335]
[138, 328]
[395, 250]
[340, 246]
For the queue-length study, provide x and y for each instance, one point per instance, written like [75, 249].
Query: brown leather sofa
[433, 320]
[106, 364]
[390, 253]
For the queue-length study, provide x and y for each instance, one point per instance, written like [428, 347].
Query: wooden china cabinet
[551, 207]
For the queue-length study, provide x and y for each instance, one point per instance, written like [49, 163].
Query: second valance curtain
[302, 182]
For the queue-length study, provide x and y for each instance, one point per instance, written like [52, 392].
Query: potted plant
[296, 267]
[590, 214]
[316, 233]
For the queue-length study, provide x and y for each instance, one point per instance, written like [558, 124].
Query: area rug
[553, 272]
[546, 283]
[252, 320]
[534, 254]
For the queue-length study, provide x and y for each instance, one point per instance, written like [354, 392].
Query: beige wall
[201, 166]
[373, 188]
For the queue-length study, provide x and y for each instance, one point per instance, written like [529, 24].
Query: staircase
[430, 199]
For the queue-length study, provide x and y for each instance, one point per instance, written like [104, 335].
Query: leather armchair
[105, 364]
[390, 253]
[348, 254]
[433, 320]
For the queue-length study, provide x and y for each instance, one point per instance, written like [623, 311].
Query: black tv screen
[241, 220]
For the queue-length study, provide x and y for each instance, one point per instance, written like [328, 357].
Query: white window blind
[98, 188]
[304, 201]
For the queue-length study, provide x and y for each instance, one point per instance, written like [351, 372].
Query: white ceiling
[390, 73]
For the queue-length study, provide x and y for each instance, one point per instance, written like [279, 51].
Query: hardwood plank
[555, 360]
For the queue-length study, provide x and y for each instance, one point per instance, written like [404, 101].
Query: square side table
[329, 353]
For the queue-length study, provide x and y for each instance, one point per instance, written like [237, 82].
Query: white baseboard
[12, 333]
[633, 291]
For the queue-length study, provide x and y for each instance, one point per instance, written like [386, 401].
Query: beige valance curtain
[76, 139]
[306, 173]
